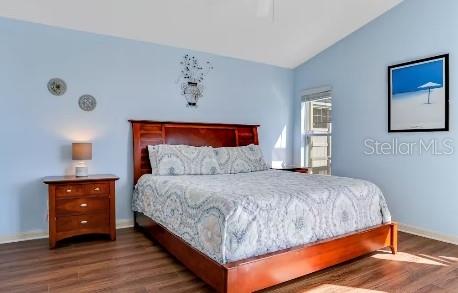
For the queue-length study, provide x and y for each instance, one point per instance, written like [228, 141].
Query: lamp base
[81, 171]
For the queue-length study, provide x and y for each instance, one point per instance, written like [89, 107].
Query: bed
[249, 231]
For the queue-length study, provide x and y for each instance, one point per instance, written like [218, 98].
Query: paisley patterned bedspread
[235, 216]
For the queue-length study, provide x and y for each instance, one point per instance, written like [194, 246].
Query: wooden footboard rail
[267, 270]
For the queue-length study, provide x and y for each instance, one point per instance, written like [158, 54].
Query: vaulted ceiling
[278, 32]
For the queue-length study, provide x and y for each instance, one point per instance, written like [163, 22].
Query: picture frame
[418, 95]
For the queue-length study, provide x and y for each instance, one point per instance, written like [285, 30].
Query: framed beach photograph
[418, 95]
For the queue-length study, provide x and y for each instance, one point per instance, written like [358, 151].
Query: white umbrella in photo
[429, 86]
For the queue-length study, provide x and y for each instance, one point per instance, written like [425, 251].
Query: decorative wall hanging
[87, 103]
[191, 77]
[57, 86]
[418, 95]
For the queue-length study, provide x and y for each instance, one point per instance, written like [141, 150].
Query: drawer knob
[69, 190]
[83, 222]
[83, 205]
[97, 189]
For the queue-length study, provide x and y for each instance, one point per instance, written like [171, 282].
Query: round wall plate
[87, 103]
[57, 86]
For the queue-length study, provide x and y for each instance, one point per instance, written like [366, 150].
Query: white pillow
[240, 159]
[183, 160]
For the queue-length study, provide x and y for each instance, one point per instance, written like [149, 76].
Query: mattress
[236, 216]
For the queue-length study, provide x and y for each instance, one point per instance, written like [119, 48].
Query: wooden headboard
[197, 134]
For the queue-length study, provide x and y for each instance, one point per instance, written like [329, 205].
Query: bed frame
[253, 273]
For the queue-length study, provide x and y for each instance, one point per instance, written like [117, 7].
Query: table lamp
[81, 152]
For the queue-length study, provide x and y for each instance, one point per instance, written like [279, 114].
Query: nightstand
[304, 170]
[81, 205]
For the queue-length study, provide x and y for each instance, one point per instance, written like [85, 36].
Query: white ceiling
[279, 32]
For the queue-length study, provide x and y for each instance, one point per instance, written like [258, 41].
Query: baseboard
[124, 223]
[428, 234]
[24, 236]
[127, 223]
[37, 234]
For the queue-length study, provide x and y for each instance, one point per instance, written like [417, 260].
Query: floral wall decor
[191, 77]
[87, 103]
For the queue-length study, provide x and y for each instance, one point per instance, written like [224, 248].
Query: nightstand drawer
[97, 188]
[83, 223]
[70, 190]
[82, 205]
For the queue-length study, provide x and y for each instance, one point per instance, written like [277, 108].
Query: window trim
[307, 96]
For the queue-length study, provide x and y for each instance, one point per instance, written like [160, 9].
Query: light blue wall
[130, 79]
[422, 190]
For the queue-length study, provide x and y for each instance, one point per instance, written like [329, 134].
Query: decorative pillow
[183, 160]
[152, 151]
[240, 159]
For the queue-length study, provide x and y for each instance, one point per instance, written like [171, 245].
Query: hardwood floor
[133, 263]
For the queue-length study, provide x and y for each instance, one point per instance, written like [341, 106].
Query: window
[316, 131]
